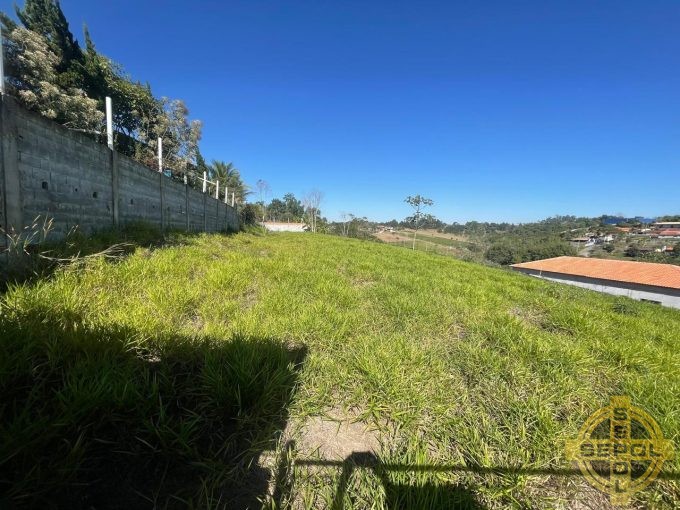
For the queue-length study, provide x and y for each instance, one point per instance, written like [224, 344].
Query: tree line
[288, 209]
[49, 72]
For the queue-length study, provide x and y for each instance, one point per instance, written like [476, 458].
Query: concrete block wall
[49, 170]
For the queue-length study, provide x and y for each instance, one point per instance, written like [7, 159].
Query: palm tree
[229, 176]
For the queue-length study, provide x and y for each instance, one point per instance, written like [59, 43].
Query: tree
[202, 166]
[136, 112]
[32, 77]
[263, 190]
[632, 251]
[72, 84]
[45, 18]
[502, 254]
[230, 179]
[248, 214]
[346, 218]
[418, 203]
[294, 208]
[276, 209]
[511, 250]
[180, 136]
[311, 202]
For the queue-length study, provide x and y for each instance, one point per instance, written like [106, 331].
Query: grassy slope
[429, 242]
[441, 239]
[169, 362]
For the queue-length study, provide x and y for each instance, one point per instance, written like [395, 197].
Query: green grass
[158, 378]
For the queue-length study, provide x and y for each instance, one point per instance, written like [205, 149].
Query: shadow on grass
[409, 496]
[30, 262]
[101, 416]
[399, 495]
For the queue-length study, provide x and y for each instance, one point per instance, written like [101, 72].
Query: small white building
[280, 226]
[644, 281]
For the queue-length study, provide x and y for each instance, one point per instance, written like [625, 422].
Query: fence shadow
[102, 416]
[405, 496]
[401, 495]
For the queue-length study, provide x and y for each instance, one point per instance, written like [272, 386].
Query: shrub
[248, 215]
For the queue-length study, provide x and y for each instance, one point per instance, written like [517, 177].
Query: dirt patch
[362, 282]
[575, 494]
[248, 299]
[196, 322]
[529, 316]
[335, 438]
[456, 332]
[541, 320]
[393, 237]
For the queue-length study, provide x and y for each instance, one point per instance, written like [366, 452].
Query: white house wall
[669, 297]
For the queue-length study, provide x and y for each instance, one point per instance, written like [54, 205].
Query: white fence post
[160, 154]
[226, 194]
[217, 189]
[109, 123]
[232, 199]
[205, 182]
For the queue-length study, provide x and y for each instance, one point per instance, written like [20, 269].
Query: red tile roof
[644, 273]
[669, 232]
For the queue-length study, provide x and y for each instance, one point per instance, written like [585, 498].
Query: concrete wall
[665, 296]
[48, 170]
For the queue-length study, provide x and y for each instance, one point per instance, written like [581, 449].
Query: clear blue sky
[496, 110]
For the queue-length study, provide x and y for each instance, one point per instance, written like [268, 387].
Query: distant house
[589, 239]
[644, 281]
[668, 233]
[667, 225]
